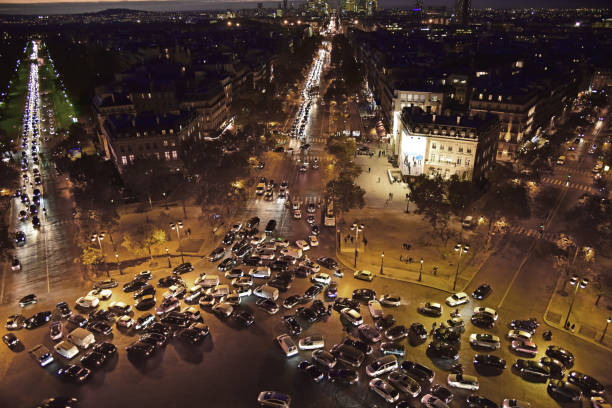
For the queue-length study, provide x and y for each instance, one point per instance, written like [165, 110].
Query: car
[345, 376]
[340, 303]
[599, 402]
[557, 369]
[455, 324]
[311, 342]
[140, 350]
[514, 403]
[478, 401]
[11, 340]
[41, 355]
[524, 347]
[518, 335]
[144, 321]
[183, 268]
[64, 310]
[274, 399]
[485, 340]
[261, 272]
[125, 322]
[292, 325]
[136, 284]
[364, 295]
[100, 327]
[351, 316]
[176, 319]
[431, 401]
[217, 253]
[489, 361]
[396, 333]
[303, 245]
[120, 308]
[324, 358]
[482, 291]
[146, 302]
[102, 294]
[56, 330]
[444, 335]
[143, 275]
[30, 299]
[313, 291]
[20, 238]
[106, 284]
[589, 385]
[191, 335]
[564, 390]
[167, 305]
[529, 325]
[38, 319]
[78, 320]
[244, 317]
[364, 275]
[268, 305]
[327, 263]
[391, 348]
[15, 321]
[486, 310]
[74, 373]
[156, 339]
[405, 383]
[270, 227]
[313, 240]
[483, 320]
[443, 350]
[287, 345]
[457, 299]
[532, 370]
[561, 354]
[417, 334]
[66, 349]
[369, 333]
[430, 309]
[223, 309]
[253, 222]
[243, 281]
[384, 390]
[16, 265]
[87, 302]
[93, 359]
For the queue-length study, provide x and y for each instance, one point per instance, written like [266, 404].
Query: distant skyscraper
[462, 11]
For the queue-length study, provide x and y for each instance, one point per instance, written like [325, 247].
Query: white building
[429, 102]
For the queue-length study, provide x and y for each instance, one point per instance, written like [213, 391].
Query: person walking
[369, 170]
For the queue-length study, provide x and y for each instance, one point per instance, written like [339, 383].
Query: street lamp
[100, 237]
[165, 199]
[382, 261]
[357, 228]
[168, 255]
[178, 227]
[421, 270]
[605, 329]
[118, 264]
[461, 249]
[579, 284]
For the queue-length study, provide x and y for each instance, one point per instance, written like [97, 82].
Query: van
[207, 281]
[266, 292]
[81, 338]
[259, 190]
[468, 222]
[218, 291]
[382, 365]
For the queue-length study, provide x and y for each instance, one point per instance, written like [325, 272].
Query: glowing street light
[460, 249]
[579, 284]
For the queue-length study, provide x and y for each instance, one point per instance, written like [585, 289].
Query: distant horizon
[50, 7]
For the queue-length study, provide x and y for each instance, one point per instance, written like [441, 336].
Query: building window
[450, 148]
[458, 161]
[467, 162]
[432, 158]
[469, 150]
[131, 158]
[460, 149]
[433, 145]
[124, 160]
[174, 155]
[122, 148]
[157, 155]
[167, 155]
[165, 143]
[441, 147]
[163, 131]
[148, 146]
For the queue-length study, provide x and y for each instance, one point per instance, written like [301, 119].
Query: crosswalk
[531, 232]
[575, 186]
[310, 159]
[577, 172]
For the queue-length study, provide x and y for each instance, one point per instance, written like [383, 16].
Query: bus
[329, 217]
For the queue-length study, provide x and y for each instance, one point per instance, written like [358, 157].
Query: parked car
[482, 291]
[564, 390]
[384, 389]
[457, 299]
[430, 309]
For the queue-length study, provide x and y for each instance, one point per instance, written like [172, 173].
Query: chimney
[458, 119]
[433, 118]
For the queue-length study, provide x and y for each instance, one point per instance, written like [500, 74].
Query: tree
[429, 195]
[144, 239]
[602, 285]
[508, 199]
[9, 177]
[6, 243]
[91, 255]
[461, 195]
[345, 193]
[343, 147]
[590, 222]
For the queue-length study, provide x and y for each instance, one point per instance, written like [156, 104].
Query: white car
[315, 267]
[88, 302]
[382, 365]
[258, 239]
[514, 403]
[125, 322]
[457, 299]
[297, 214]
[352, 316]
[243, 281]
[274, 399]
[236, 227]
[466, 382]
[321, 277]
[223, 309]
[303, 245]
[519, 335]
[384, 389]
[486, 310]
[311, 342]
[102, 294]
[485, 340]
[390, 300]
[260, 272]
[66, 349]
[375, 309]
[287, 344]
[314, 241]
[244, 291]
[431, 401]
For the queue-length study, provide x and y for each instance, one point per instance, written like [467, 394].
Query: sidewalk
[387, 230]
[374, 179]
[588, 319]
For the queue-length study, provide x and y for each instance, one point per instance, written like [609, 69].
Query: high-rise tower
[462, 11]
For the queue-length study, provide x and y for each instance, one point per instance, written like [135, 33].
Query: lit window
[157, 155]
[167, 155]
[124, 160]
[165, 143]
[174, 154]
[132, 158]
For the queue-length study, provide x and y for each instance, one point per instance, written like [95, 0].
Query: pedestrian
[188, 232]
[379, 153]
[391, 196]
[365, 242]
[379, 179]
[435, 270]
[369, 170]
[401, 256]
[352, 240]
[573, 326]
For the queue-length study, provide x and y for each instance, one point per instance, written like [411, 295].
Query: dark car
[564, 390]
[28, 300]
[146, 275]
[106, 348]
[59, 402]
[270, 226]
[244, 251]
[168, 281]
[156, 339]
[561, 354]
[102, 315]
[253, 222]
[446, 336]
[183, 268]
[418, 371]
[532, 370]
[362, 346]
[384, 322]
[134, 285]
[38, 320]
[74, 373]
[281, 284]
[145, 303]
[417, 334]
[364, 294]
[78, 320]
[307, 314]
[328, 263]
[303, 272]
[217, 254]
[145, 290]
[176, 319]
[483, 320]
[227, 264]
[529, 325]
[93, 359]
[161, 328]
[478, 401]
[396, 333]
[279, 266]
[268, 305]
[140, 350]
[557, 370]
[229, 238]
[442, 393]
[313, 291]
[341, 303]
[99, 327]
[244, 317]
[482, 291]
[11, 340]
[292, 325]
[251, 260]
[489, 361]
[442, 350]
[106, 284]
[392, 348]
[319, 308]
[64, 310]
[589, 385]
[239, 246]
[343, 376]
[190, 336]
[313, 371]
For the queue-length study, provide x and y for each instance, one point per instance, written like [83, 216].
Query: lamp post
[382, 262]
[178, 226]
[357, 228]
[579, 284]
[168, 255]
[603, 335]
[165, 199]
[100, 237]
[118, 263]
[421, 270]
[461, 249]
